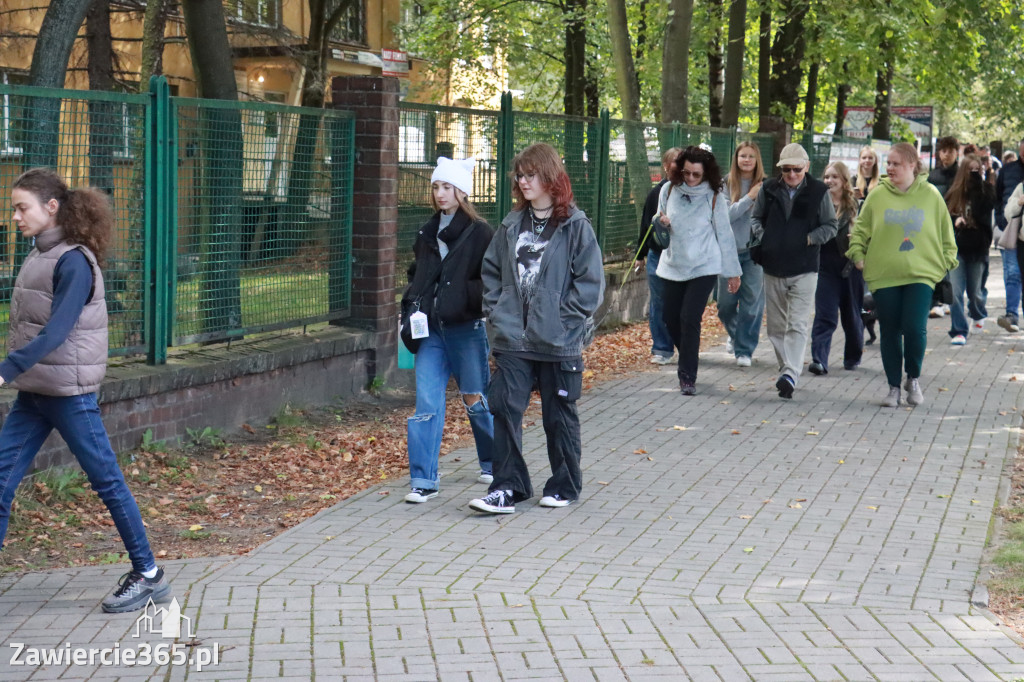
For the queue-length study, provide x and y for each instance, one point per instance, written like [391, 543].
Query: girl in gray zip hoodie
[543, 281]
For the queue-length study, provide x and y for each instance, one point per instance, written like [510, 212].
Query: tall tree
[716, 82]
[221, 145]
[675, 62]
[787, 58]
[734, 51]
[574, 14]
[102, 115]
[153, 23]
[880, 129]
[764, 62]
[629, 93]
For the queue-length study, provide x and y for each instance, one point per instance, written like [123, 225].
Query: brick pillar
[374, 101]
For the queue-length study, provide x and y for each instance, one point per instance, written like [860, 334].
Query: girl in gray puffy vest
[57, 345]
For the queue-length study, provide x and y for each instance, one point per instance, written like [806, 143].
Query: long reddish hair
[543, 161]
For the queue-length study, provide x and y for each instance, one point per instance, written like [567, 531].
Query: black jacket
[457, 294]
[973, 240]
[784, 248]
[942, 178]
[650, 208]
[1010, 176]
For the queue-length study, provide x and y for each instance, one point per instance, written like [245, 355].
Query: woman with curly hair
[543, 281]
[58, 357]
[701, 248]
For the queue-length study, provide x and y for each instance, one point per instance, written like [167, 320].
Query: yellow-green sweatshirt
[903, 237]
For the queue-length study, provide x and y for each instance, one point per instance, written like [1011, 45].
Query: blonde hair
[464, 203]
[735, 179]
[908, 152]
[868, 184]
[847, 204]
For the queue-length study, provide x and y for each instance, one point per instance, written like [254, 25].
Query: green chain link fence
[594, 151]
[231, 217]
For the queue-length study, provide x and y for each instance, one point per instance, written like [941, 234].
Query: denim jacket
[559, 320]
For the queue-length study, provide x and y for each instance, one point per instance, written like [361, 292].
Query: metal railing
[231, 217]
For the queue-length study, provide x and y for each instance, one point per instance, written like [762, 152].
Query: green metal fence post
[506, 136]
[157, 198]
[603, 150]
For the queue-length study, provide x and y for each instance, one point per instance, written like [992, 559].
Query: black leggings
[684, 304]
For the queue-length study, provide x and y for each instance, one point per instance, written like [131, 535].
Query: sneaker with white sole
[914, 394]
[1008, 323]
[661, 359]
[134, 591]
[936, 312]
[495, 502]
[893, 399]
[743, 361]
[728, 345]
[958, 340]
[485, 478]
[979, 324]
[555, 500]
[420, 495]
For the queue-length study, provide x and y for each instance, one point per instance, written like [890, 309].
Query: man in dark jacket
[792, 217]
[947, 149]
[662, 349]
[1011, 175]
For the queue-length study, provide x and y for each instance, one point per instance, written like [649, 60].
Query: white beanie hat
[455, 173]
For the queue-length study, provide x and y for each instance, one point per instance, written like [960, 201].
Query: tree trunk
[883, 92]
[734, 63]
[842, 92]
[49, 66]
[787, 58]
[716, 82]
[574, 14]
[764, 63]
[102, 115]
[221, 148]
[675, 62]
[812, 97]
[153, 24]
[629, 93]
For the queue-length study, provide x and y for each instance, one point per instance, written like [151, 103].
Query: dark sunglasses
[792, 169]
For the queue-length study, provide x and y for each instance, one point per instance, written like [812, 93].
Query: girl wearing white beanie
[445, 286]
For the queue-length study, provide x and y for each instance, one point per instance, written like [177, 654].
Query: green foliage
[289, 417]
[207, 436]
[109, 558]
[63, 484]
[150, 445]
[376, 386]
[194, 534]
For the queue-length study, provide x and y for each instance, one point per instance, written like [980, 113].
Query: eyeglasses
[693, 174]
[793, 170]
[529, 177]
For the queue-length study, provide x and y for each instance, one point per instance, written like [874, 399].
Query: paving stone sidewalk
[727, 536]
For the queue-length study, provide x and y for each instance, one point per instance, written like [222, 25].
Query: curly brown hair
[693, 154]
[85, 214]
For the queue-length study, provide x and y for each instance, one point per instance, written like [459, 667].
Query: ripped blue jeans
[455, 350]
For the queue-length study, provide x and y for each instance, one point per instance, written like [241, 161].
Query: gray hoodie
[569, 288]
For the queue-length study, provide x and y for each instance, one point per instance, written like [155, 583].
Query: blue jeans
[968, 275]
[455, 350]
[741, 313]
[661, 340]
[77, 419]
[1012, 282]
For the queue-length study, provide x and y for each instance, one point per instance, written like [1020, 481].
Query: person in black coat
[444, 298]
[662, 349]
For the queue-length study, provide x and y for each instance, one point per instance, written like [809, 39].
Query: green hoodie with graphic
[903, 237]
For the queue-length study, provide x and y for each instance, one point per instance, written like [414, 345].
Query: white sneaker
[979, 324]
[554, 501]
[959, 340]
[661, 359]
[743, 361]
[914, 394]
[936, 311]
[420, 495]
[728, 344]
[893, 399]
[945, 309]
[485, 478]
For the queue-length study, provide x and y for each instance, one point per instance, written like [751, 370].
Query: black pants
[560, 384]
[684, 304]
[837, 299]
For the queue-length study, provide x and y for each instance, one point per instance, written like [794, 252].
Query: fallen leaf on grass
[258, 488]
[194, 527]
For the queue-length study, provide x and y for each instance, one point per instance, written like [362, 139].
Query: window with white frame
[259, 12]
[12, 116]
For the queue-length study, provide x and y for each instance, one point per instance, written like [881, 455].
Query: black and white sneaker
[420, 495]
[134, 591]
[497, 502]
[555, 500]
[785, 387]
